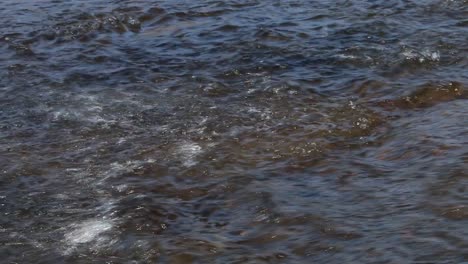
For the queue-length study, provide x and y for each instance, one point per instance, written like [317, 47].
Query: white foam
[253, 110]
[188, 151]
[128, 166]
[345, 56]
[61, 196]
[63, 114]
[121, 141]
[265, 114]
[422, 56]
[87, 231]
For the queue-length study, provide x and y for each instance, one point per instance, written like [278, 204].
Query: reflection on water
[233, 131]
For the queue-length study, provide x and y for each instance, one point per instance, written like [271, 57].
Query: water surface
[239, 131]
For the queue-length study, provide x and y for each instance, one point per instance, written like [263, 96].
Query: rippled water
[239, 131]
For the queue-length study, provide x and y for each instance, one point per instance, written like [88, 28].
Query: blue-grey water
[237, 131]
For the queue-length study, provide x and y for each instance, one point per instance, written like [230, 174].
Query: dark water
[233, 131]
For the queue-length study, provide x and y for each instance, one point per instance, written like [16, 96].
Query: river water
[238, 131]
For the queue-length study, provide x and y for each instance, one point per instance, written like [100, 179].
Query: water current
[236, 131]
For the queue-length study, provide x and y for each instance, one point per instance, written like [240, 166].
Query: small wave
[428, 95]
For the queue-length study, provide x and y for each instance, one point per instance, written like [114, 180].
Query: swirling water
[239, 131]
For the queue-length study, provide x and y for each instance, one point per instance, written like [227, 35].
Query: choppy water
[239, 131]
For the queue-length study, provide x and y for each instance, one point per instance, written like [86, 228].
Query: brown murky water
[233, 131]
